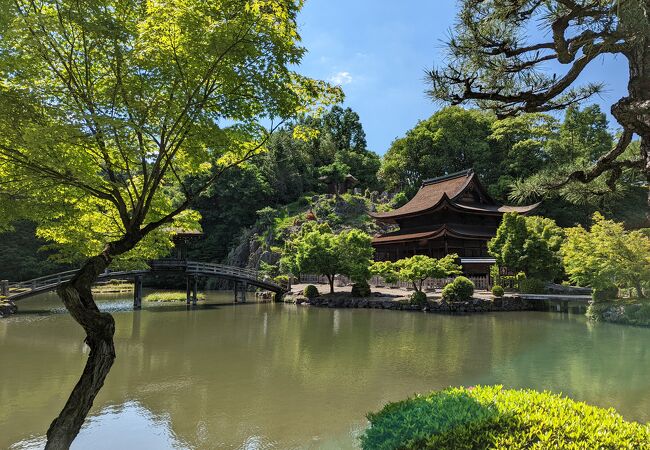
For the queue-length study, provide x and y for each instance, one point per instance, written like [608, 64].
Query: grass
[168, 297]
[113, 286]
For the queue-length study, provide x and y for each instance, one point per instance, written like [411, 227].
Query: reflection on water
[264, 376]
[129, 425]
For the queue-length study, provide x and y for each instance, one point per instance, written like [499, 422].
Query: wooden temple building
[449, 214]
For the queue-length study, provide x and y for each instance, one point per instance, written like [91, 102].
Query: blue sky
[378, 50]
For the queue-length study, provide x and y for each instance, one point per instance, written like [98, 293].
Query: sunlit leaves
[115, 114]
[607, 255]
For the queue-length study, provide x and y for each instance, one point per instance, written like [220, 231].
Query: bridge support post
[137, 292]
[4, 288]
[242, 297]
[278, 296]
[195, 284]
[188, 289]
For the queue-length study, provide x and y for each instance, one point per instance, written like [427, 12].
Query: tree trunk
[100, 328]
[639, 288]
[330, 278]
[633, 111]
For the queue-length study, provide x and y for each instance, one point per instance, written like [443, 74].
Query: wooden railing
[49, 282]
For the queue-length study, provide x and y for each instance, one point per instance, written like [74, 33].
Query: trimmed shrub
[459, 290]
[489, 417]
[532, 286]
[605, 294]
[419, 298]
[498, 291]
[282, 280]
[310, 291]
[361, 289]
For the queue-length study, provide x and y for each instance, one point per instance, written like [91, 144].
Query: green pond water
[271, 376]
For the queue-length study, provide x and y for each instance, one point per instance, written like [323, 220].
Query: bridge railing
[203, 267]
[49, 281]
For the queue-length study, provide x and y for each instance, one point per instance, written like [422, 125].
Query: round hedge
[489, 417]
[498, 291]
[459, 290]
[361, 289]
[419, 298]
[310, 291]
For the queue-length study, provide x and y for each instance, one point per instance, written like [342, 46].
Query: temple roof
[448, 189]
[458, 231]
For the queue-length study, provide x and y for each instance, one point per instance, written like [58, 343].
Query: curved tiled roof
[436, 191]
[459, 231]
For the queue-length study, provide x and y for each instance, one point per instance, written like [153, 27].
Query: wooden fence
[481, 282]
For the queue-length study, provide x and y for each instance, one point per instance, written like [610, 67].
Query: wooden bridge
[191, 269]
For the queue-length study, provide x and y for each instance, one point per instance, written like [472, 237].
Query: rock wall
[475, 305]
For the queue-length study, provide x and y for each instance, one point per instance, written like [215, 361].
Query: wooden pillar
[242, 292]
[4, 288]
[277, 297]
[188, 289]
[195, 282]
[236, 290]
[137, 292]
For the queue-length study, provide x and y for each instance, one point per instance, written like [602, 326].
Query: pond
[267, 376]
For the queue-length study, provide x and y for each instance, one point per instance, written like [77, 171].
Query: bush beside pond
[310, 291]
[498, 291]
[459, 290]
[621, 311]
[489, 417]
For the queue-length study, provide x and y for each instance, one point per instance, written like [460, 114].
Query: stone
[7, 308]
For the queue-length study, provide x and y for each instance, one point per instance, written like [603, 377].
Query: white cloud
[341, 78]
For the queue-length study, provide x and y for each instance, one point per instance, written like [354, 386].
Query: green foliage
[335, 173]
[399, 200]
[310, 291]
[607, 255]
[620, 311]
[528, 244]
[582, 138]
[416, 269]
[531, 286]
[489, 417]
[452, 139]
[605, 294]
[317, 250]
[116, 115]
[419, 298]
[21, 257]
[361, 289]
[498, 291]
[459, 290]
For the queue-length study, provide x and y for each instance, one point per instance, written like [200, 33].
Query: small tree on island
[528, 244]
[607, 255]
[416, 269]
[319, 251]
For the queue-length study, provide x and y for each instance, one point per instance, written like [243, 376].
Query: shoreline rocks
[475, 305]
[7, 308]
